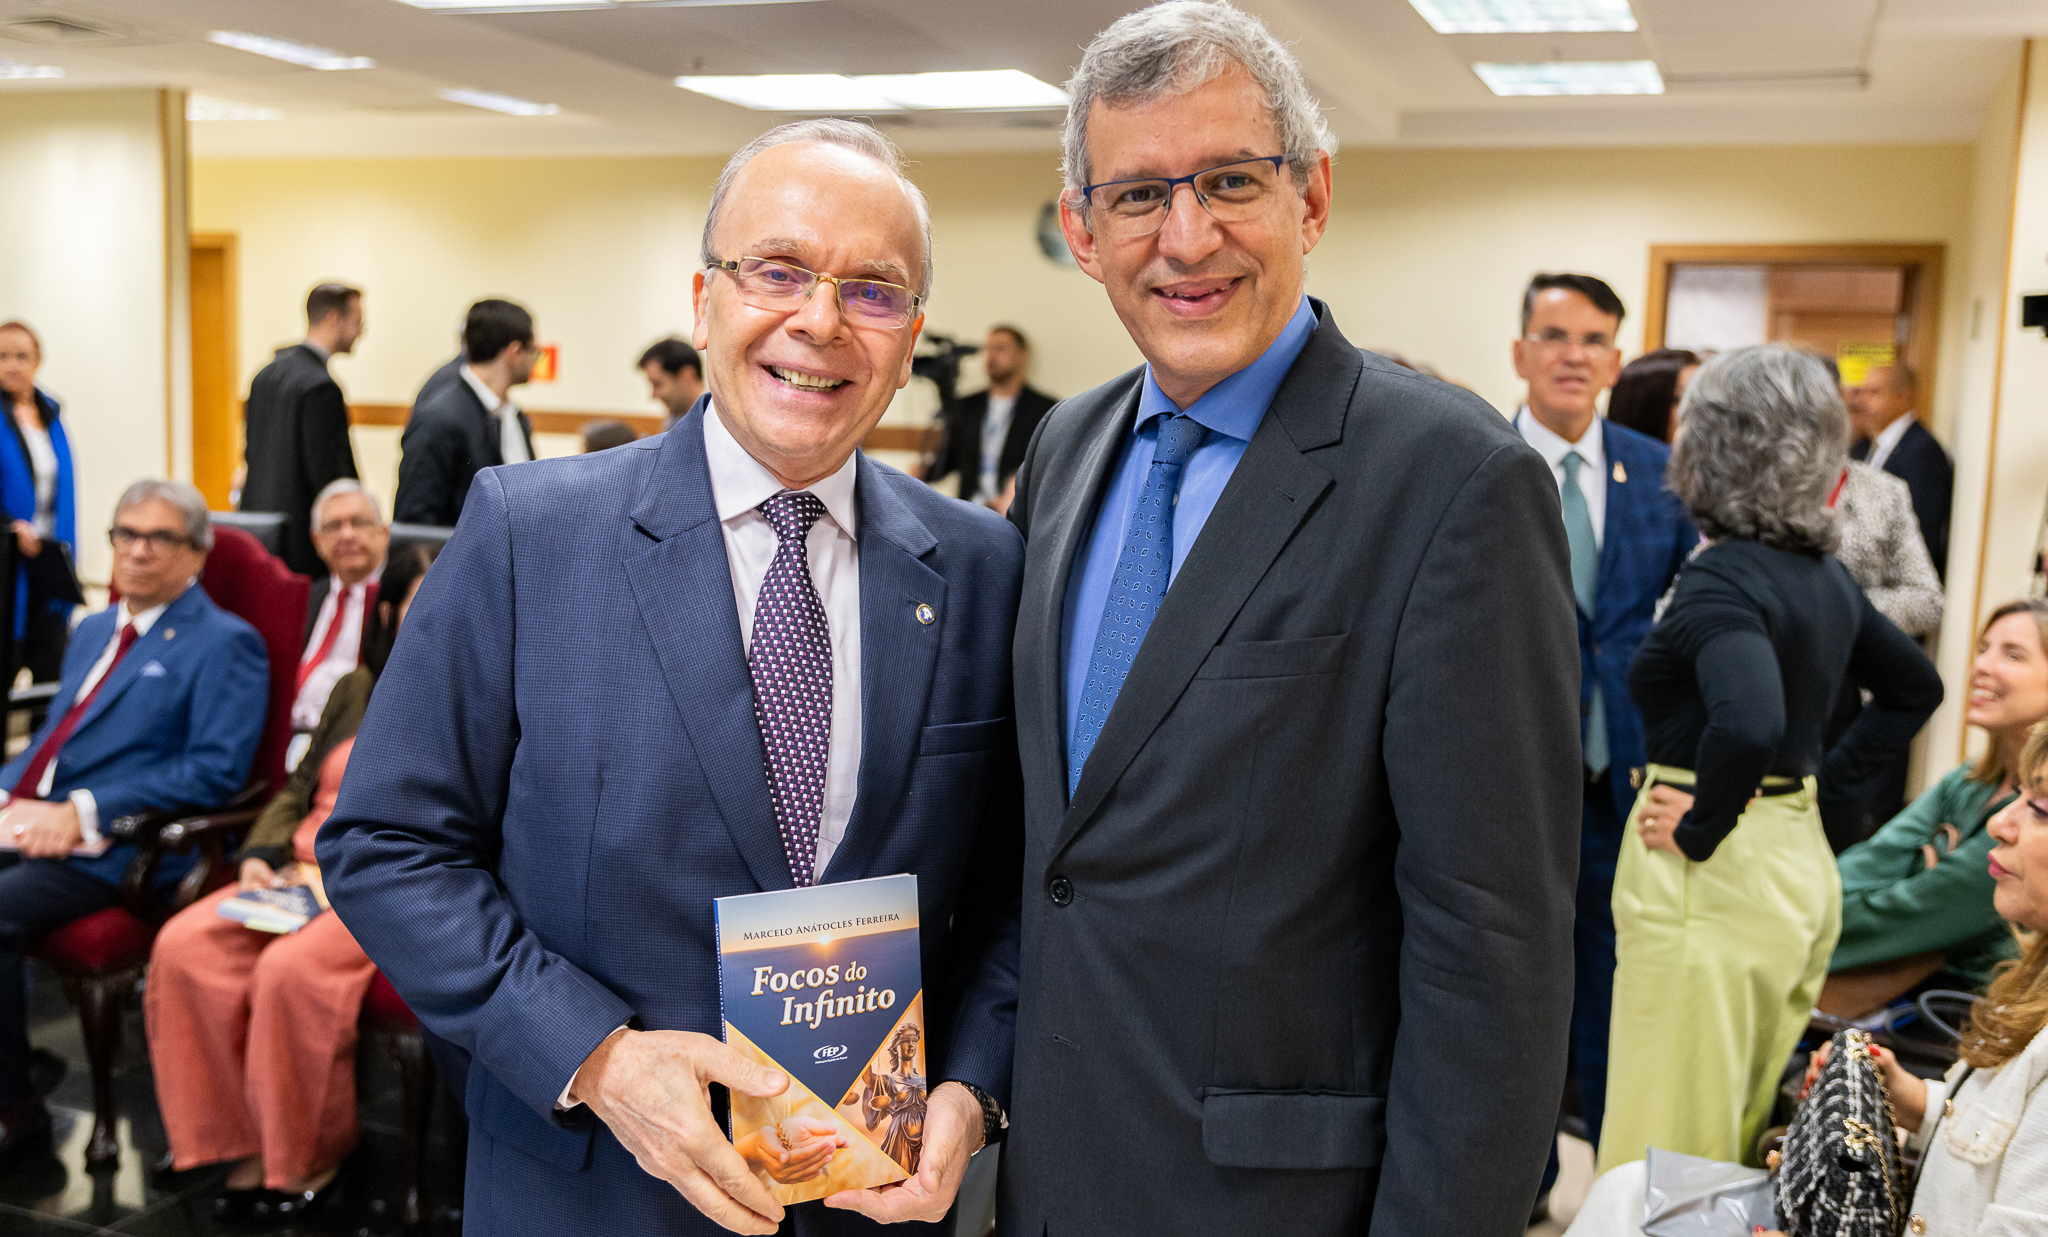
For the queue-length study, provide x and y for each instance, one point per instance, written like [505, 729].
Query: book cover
[282, 911]
[823, 983]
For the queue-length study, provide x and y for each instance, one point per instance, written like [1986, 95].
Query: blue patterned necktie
[1144, 567]
[1585, 550]
[791, 665]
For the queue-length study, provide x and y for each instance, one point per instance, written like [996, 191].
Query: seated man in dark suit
[986, 432]
[351, 537]
[470, 423]
[161, 706]
[1890, 437]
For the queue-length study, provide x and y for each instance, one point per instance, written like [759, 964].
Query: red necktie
[311, 661]
[32, 777]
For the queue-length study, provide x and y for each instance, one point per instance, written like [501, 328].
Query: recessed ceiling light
[1525, 16]
[1572, 77]
[500, 103]
[200, 107]
[506, 6]
[990, 90]
[15, 70]
[289, 52]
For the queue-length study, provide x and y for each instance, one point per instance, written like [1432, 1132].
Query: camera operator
[986, 432]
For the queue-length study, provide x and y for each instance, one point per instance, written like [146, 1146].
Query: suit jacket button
[1061, 890]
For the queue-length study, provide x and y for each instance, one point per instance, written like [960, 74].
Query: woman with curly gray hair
[1726, 899]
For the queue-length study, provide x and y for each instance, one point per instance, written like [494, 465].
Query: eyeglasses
[359, 523]
[766, 283]
[1230, 192]
[1557, 340]
[159, 540]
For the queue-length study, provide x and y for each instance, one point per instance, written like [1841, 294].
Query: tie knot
[1179, 436]
[791, 514]
[1572, 460]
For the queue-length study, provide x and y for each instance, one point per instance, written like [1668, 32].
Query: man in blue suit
[1628, 537]
[161, 705]
[738, 656]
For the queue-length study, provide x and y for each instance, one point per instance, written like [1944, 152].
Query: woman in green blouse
[1916, 896]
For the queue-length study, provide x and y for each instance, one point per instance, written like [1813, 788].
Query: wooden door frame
[1923, 293]
[229, 245]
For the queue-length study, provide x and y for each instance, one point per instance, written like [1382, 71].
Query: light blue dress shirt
[1232, 410]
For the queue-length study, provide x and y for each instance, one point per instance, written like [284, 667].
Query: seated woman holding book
[252, 1033]
[1983, 1128]
[1916, 895]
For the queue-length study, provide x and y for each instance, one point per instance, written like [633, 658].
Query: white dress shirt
[42, 461]
[82, 799]
[344, 606]
[995, 430]
[1888, 438]
[1592, 449]
[511, 443]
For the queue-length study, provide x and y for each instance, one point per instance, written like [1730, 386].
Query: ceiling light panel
[1525, 16]
[200, 107]
[16, 71]
[991, 90]
[304, 54]
[507, 6]
[1572, 77]
[505, 103]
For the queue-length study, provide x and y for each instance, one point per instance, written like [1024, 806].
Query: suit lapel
[898, 656]
[180, 613]
[1272, 490]
[1619, 517]
[1056, 538]
[682, 585]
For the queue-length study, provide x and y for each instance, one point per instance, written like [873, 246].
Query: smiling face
[2019, 863]
[1201, 299]
[800, 388]
[2009, 679]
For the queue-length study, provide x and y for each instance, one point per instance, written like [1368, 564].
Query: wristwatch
[993, 1119]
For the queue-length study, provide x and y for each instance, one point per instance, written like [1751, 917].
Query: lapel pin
[1620, 474]
[170, 633]
[925, 613]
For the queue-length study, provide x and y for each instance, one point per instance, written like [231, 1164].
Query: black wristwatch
[993, 1120]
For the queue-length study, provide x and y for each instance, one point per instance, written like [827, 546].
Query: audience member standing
[298, 422]
[1628, 537]
[1890, 436]
[37, 492]
[675, 376]
[351, 537]
[1726, 901]
[986, 432]
[470, 423]
[253, 1035]
[1646, 395]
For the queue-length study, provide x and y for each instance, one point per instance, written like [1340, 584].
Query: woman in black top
[1726, 899]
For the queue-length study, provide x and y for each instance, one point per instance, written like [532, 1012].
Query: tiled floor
[56, 1196]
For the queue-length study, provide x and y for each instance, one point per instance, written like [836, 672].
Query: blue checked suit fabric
[790, 662]
[1144, 568]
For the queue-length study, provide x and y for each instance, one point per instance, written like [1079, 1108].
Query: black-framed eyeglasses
[1230, 192]
[357, 523]
[159, 540]
[766, 283]
[1557, 339]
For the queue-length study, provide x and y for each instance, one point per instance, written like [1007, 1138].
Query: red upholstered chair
[101, 956]
[397, 1029]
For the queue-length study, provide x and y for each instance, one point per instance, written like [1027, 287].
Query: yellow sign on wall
[1856, 360]
[547, 365]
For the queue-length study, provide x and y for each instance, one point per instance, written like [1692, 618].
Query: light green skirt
[1717, 967]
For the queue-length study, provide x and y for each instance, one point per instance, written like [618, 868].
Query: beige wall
[94, 178]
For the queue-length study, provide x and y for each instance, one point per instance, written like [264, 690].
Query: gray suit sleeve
[1483, 765]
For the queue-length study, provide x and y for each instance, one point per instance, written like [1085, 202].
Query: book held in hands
[824, 984]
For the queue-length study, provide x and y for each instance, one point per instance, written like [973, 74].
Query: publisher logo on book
[830, 1052]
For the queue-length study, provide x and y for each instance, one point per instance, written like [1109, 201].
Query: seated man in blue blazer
[734, 657]
[161, 705]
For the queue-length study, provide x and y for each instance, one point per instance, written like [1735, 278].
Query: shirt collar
[318, 351]
[147, 619]
[740, 483]
[1552, 446]
[492, 404]
[1889, 436]
[1235, 406]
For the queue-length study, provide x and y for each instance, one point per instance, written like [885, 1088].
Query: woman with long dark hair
[1647, 393]
[37, 496]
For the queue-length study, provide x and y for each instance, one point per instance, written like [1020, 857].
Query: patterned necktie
[1578, 532]
[30, 784]
[791, 665]
[1144, 568]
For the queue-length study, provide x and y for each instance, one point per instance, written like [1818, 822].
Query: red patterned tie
[32, 777]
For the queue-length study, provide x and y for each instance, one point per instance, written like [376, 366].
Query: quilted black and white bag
[1839, 1173]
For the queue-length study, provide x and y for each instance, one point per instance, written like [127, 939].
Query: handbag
[1839, 1173]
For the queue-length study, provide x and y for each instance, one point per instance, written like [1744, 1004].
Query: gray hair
[1179, 46]
[180, 494]
[855, 136]
[335, 489]
[1763, 438]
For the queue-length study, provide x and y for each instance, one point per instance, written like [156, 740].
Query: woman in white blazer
[1985, 1172]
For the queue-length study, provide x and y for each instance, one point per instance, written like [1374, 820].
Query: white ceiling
[1736, 70]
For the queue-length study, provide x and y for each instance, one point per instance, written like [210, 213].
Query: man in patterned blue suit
[1628, 537]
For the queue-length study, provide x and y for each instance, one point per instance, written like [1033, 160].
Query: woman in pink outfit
[252, 1035]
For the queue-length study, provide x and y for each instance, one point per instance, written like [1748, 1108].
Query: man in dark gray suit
[469, 423]
[1300, 854]
[298, 422]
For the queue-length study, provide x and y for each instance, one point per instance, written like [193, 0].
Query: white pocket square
[154, 670]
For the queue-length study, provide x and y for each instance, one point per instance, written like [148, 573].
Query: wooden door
[216, 410]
